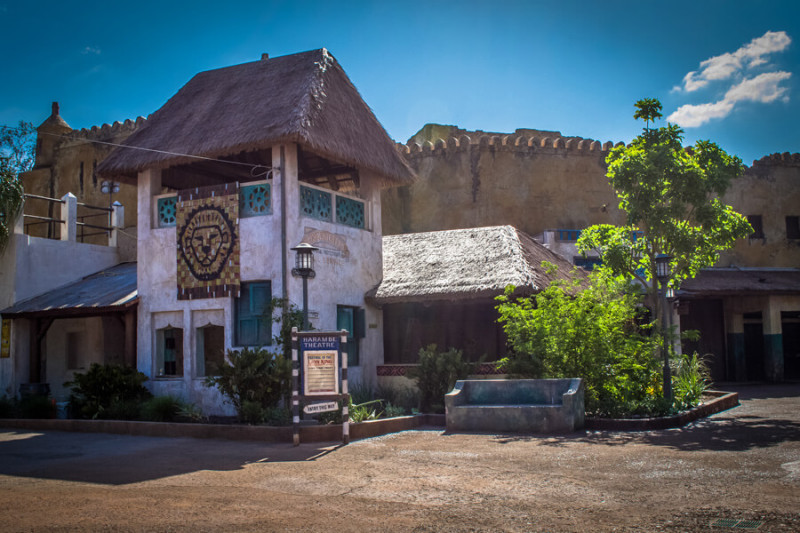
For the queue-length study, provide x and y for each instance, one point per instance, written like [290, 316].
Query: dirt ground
[741, 464]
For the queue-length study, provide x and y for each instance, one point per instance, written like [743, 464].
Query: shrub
[593, 332]
[162, 409]
[107, 391]
[35, 406]
[691, 378]
[407, 398]
[436, 375]
[189, 412]
[7, 407]
[361, 391]
[392, 411]
[252, 413]
[278, 416]
[255, 376]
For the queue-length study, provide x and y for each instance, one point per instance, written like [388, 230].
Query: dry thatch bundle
[464, 264]
[305, 98]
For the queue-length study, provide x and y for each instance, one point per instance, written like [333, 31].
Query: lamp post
[304, 267]
[664, 273]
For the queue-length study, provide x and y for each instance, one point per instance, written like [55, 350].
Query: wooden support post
[345, 392]
[295, 390]
[130, 338]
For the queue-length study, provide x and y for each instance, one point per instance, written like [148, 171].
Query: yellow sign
[5, 334]
[320, 372]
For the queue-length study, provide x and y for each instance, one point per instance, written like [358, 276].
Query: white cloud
[692, 116]
[762, 88]
[726, 65]
[91, 50]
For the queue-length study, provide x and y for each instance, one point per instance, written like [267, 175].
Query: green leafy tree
[16, 156]
[11, 199]
[648, 109]
[18, 145]
[593, 332]
[671, 197]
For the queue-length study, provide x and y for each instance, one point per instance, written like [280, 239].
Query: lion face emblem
[206, 242]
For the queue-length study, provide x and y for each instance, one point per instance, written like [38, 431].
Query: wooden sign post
[319, 371]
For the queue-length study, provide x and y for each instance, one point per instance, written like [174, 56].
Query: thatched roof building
[236, 112]
[464, 264]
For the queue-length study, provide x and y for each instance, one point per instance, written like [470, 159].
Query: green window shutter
[360, 323]
[253, 321]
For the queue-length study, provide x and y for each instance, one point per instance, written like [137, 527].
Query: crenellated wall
[532, 180]
[541, 180]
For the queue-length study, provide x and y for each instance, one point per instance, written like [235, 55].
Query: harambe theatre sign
[320, 365]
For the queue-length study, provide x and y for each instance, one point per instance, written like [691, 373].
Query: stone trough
[516, 405]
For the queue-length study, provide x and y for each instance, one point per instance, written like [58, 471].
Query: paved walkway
[741, 464]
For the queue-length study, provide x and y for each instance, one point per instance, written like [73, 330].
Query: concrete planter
[720, 402]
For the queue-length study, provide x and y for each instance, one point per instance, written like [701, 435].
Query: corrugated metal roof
[111, 289]
[742, 281]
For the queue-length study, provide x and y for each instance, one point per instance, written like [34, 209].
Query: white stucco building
[295, 155]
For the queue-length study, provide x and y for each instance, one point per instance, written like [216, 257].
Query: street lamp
[109, 188]
[304, 267]
[664, 273]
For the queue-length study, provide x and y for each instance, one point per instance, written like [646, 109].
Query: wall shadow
[121, 459]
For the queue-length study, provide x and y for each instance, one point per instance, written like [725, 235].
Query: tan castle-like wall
[771, 189]
[530, 179]
[66, 161]
[536, 180]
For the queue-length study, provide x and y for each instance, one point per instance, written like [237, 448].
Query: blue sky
[728, 71]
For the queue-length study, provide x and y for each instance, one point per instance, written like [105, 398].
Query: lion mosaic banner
[207, 223]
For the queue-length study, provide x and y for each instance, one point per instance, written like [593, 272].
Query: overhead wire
[254, 169]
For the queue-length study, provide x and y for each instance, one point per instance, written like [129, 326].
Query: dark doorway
[790, 324]
[754, 346]
[706, 317]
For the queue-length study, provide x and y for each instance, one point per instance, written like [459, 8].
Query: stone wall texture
[540, 180]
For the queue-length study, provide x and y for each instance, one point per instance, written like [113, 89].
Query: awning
[741, 282]
[111, 290]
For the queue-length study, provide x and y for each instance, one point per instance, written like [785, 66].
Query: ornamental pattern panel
[166, 211]
[316, 204]
[349, 212]
[255, 200]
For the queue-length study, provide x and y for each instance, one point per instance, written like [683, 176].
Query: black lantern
[663, 272]
[304, 261]
[304, 267]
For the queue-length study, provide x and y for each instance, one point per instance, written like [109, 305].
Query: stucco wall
[92, 347]
[347, 266]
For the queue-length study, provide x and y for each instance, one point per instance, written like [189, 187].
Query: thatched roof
[305, 98]
[716, 282]
[463, 264]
